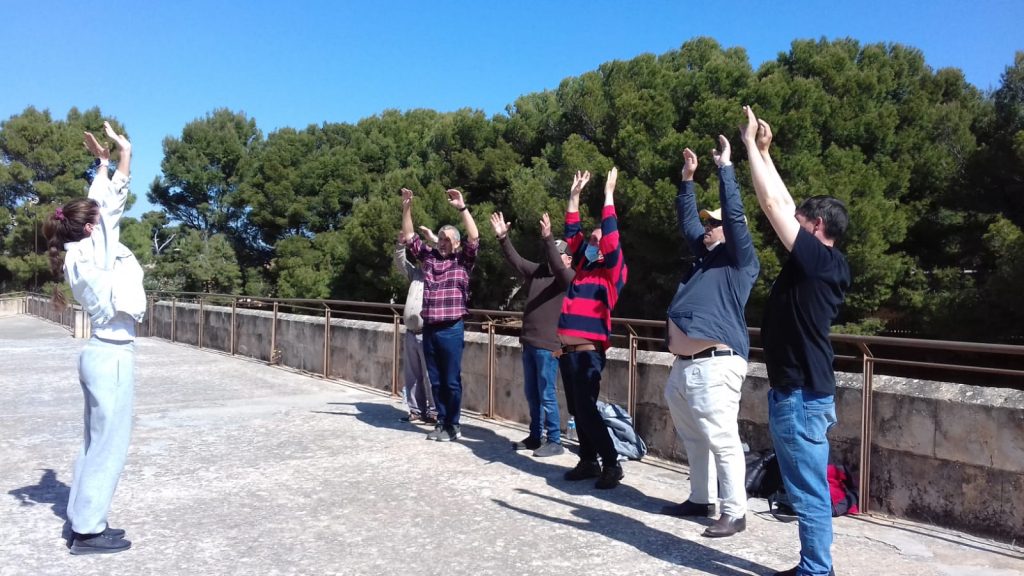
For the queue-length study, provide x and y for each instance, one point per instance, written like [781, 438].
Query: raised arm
[573, 229]
[610, 247]
[402, 264]
[688, 219]
[525, 268]
[563, 274]
[772, 195]
[738, 242]
[124, 148]
[407, 229]
[456, 200]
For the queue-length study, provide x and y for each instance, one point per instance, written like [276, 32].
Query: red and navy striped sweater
[587, 308]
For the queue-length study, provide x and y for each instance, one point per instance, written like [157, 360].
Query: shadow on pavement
[651, 541]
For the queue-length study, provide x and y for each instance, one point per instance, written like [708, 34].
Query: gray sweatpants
[417, 393]
[107, 374]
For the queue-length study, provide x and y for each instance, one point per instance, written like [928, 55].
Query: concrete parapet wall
[944, 453]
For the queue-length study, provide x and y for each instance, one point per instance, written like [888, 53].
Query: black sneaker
[549, 449]
[584, 469]
[528, 443]
[610, 477]
[435, 434]
[98, 544]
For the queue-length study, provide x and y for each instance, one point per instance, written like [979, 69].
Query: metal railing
[627, 331]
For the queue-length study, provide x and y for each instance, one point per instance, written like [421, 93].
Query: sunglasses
[711, 224]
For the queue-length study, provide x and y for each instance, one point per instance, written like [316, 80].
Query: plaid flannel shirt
[446, 280]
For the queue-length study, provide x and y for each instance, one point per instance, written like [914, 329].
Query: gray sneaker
[450, 433]
[435, 434]
[549, 449]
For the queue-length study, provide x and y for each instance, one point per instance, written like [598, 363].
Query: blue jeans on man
[540, 374]
[800, 420]
[442, 345]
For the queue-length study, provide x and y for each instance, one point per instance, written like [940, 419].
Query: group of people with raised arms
[566, 325]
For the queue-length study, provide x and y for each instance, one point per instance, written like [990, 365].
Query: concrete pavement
[241, 468]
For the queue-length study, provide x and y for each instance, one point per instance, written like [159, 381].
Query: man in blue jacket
[708, 334]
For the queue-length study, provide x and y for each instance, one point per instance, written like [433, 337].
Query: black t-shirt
[804, 301]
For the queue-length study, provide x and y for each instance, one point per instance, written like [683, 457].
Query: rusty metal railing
[626, 330]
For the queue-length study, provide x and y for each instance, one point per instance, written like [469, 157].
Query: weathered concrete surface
[240, 468]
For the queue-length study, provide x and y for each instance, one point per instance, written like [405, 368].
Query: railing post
[631, 379]
[199, 340]
[491, 367]
[864, 489]
[151, 308]
[231, 336]
[174, 316]
[327, 343]
[273, 336]
[397, 325]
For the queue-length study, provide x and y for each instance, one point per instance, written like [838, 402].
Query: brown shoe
[726, 526]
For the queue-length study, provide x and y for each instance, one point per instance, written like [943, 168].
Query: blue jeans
[581, 375]
[442, 345]
[800, 421]
[106, 371]
[540, 373]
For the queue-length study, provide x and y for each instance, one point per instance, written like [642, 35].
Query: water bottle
[570, 429]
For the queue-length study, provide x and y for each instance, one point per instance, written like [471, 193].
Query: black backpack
[763, 476]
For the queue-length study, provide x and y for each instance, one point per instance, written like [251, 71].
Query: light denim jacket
[104, 275]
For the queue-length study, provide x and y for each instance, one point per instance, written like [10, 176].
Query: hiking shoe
[689, 509]
[584, 469]
[98, 544]
[610, 477]
[528, 443]
[435, 434]
[549, 449]
[450, 433]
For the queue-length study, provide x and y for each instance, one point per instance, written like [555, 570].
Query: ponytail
[66, 224]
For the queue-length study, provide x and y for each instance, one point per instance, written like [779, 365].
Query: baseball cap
[715, 214]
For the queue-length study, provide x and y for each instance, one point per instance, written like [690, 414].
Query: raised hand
[455, 199]
[406, 198]
[722, 154]
[428, 235]
[545, 226]
[609, 183]
[95, 148]
[764, 136]
[499, 224]
[689, 164]
[579, 181]
[748, 131]
[118, 139]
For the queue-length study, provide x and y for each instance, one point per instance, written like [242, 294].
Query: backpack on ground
[628, 443]
[843, 490]
[763, 476]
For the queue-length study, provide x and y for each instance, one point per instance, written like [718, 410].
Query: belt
[709, 353]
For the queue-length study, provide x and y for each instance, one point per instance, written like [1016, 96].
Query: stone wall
[944, 453]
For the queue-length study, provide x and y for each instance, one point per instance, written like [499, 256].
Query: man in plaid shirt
[446, 270]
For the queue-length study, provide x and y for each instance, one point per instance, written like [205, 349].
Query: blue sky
[158, 65]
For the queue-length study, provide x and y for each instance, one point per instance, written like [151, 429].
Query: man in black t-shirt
[803, 302]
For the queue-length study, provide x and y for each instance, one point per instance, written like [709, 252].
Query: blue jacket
[710, 300]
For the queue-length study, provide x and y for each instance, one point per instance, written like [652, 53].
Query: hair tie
[58, 214]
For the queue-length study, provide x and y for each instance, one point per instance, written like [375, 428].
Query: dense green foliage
[931, 168]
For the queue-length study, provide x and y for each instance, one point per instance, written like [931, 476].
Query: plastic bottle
[570, 429]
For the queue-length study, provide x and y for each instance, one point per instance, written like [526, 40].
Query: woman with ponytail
[106, 280]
